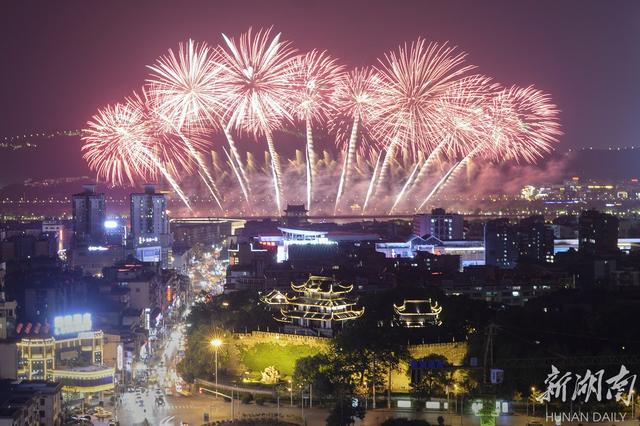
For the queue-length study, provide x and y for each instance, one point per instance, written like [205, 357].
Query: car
[84, 418]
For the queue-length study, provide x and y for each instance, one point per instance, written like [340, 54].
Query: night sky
[61, 60]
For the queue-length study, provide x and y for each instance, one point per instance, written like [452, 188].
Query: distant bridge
[320, 218]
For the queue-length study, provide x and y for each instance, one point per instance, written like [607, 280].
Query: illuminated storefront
[93, 378]
[76, 360]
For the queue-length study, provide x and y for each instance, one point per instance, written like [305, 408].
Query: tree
[432, 381]
[325, 373]
[199, 359]
[237, 311]
[344, 413]
[369, 348]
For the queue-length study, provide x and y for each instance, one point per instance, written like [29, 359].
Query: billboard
[148, 254]
[68, 324]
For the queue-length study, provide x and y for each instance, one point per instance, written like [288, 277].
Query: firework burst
[118, 145]
[414, 80]
[315, 75]
[522, 125]
[519, 124]
[419, 107]
[257, 88]
[186, 85]
[186, 92]
[168, 143]
[355, 99]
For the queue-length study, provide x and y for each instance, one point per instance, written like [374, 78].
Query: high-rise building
[150, 236]
[439, 224]
[535, 240]
[597, 233]
[7, 309]
[500, 243]
[88, 217]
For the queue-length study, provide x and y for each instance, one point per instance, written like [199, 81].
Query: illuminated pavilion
[320, 304]
[418, 313]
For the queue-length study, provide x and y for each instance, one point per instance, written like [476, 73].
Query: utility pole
[488, 353]
[389, 389]
[373, 382]
[233, 407]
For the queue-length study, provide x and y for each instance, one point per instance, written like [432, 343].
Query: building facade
[150, 236]
[88, 217]
[75, 361]
[500, 243]
[439, 224]
[319, 305]
[535, 240]
[597, 233]
[415, 313]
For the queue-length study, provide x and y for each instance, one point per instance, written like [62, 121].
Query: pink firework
[258, 85]
[186, 85]
[257, 81]
[462, 119]
[115, 144]
[119, 145]
[165, 140]
[356, 97]
[521, 125]
[462, 122]
[187, 93]
[315, 75]
[414, 80]
[355, 100]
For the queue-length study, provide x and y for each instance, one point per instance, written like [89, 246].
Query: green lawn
[283, 357]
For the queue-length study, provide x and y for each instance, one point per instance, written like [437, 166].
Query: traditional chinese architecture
[418, 313]
[319, 304]
[295, 215]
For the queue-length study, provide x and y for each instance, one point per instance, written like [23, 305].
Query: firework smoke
[403, 130]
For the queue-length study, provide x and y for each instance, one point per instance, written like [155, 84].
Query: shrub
[246, 398]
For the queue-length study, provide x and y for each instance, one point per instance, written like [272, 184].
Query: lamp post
[216, 343]
[455, 393]
[533, 400]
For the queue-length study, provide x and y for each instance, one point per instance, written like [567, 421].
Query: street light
[533, 400]
[216, 343]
